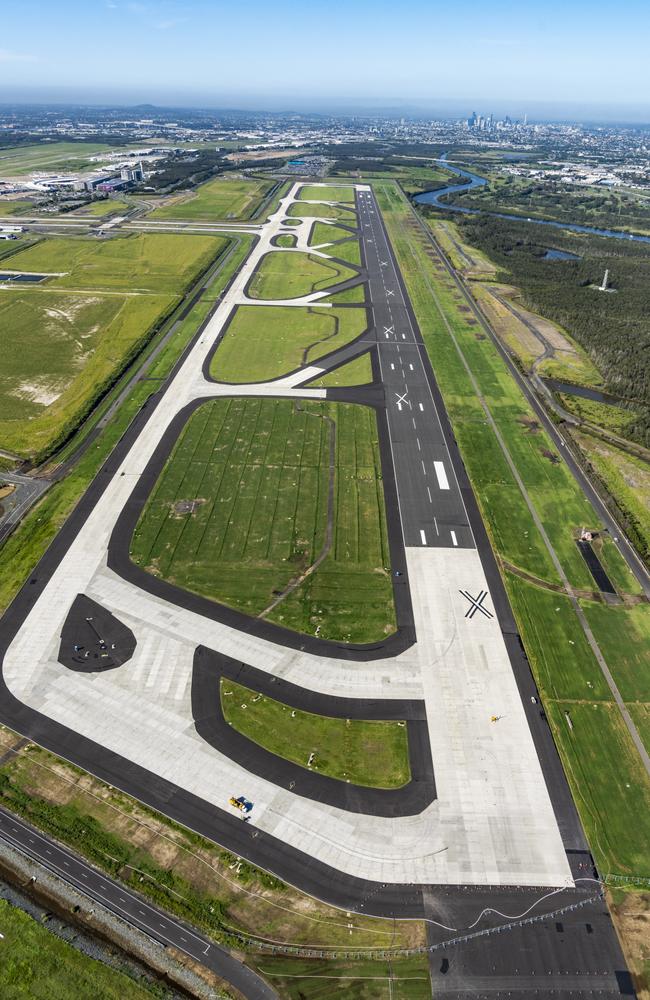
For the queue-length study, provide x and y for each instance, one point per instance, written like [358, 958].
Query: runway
[501, 823]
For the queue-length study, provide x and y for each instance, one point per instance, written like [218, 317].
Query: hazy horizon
[565, 61]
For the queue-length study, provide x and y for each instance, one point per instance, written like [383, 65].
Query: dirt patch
[532, 426]
[184, 507]
[631, 915]
[6, 489]
[552, 457]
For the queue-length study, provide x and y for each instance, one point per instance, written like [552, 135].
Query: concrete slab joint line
[489, 821]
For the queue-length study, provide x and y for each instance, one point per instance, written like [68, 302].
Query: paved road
[132, 907]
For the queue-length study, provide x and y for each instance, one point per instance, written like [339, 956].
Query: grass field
[606, 774]
[290, 275]
[14, 207]
[36, 964]
[355, 294]
[103, 207]
[151, 262]
[348, 251]
[48, 156]
[374, 754]
[338, 212]
[62, 347]
[356, 372]
[314, 979]
[322, 233]
[329, 193]
[22, 550]
[221, 198]
[260, 471]
[265, 342]
[287, 241]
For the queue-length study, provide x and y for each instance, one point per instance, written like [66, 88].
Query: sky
[590, 58]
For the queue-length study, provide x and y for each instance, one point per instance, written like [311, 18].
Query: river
[473, 180]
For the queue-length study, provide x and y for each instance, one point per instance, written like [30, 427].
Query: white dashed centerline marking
[435, 521]
[443, 482]
[423, 468]
[423, 537]
[429, 495]
[421, 405]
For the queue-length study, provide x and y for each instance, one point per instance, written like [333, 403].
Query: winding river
[471, 180]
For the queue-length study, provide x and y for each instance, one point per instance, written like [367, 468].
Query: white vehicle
[12, 229]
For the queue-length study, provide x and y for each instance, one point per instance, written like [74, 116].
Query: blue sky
[290, 54]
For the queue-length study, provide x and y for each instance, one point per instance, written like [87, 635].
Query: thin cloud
[170, 23]
[6, 55]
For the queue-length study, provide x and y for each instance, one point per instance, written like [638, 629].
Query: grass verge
[374, 754]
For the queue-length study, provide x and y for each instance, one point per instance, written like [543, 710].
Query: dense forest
[613, 326]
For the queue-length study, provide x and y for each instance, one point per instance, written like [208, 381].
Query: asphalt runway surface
[133, 908]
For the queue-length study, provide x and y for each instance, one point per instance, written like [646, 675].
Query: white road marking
[429, 495]
[411, 367]
[392, 366]
[453, 537]
[443, 482]
[403, 336]
[421, 405]
[423, 467]
[389, 329]
[423, 537]
[435, 521]
[418, 441]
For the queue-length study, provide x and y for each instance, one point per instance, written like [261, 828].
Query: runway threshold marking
[443, 482]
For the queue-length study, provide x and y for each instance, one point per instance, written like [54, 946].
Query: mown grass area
[25, 546]
[348, 251]
[183, 872]
[356, 372]
[562, 660]
[286, 240]
[323, 233]
[260, 469]
[52, 156]
[151, 262]
[60, 350]
[606, 774]
[304, 210]
[623, 634]
[311, 192]
[64, 348]
[355, 294]
[15, 207]
[220, 198]
[374, 754]
[290, 275]
[102, 207]
[265, 342]
[609, 784]
[35, 963]
[319, 979]
[627, 478]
